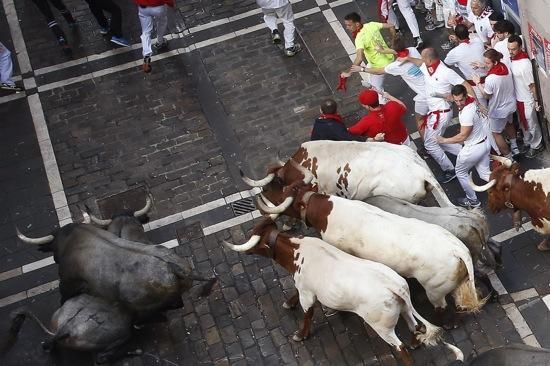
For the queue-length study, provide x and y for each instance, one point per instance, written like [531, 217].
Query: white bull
[413, 248]
[379, 303]
[357, 170]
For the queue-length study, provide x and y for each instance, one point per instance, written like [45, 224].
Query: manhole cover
[132, 199]
[243, 206]
[189, 232]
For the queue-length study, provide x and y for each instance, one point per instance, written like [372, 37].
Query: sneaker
[447, 176]
[120, 41]
[147, 64]
[448, 45]
[159, 47]
[533, 152]
[275, 36]
[10, 87]
[468, 203]
[64, 45]
[103, 30]
[439, 24]
[418, 42]
[429, 26]
[515, 151]
[293, 50]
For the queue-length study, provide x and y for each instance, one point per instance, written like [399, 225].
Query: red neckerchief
[520, 56]
[462, 2]
[341, 83]
[333, 116]
[499, 69]
[403, 53]
[469, 100]
[355, 33]
[433, 67]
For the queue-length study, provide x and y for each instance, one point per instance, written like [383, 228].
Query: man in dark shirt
[329, 125]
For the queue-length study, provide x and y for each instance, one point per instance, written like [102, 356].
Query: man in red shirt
[384, 122]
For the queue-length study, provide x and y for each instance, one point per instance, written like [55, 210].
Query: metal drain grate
[243, 206]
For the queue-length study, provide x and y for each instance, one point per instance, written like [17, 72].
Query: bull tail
[433, 333]
[432, 185]
[207, 287]
[17, 319]
[466, 297]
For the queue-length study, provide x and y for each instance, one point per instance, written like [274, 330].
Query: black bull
[143, 279]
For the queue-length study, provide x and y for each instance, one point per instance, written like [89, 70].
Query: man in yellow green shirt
[368, 42]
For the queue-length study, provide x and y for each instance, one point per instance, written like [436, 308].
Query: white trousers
[532, 136]
[287, 16]
[147, 16]
[377, 81]
[392, 18]
[6, 65]
[408, 13]
[436, 150]
[473, 156]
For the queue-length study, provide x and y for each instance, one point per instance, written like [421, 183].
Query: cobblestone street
[91, 129]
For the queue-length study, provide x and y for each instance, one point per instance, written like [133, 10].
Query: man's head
[369, 99]
[504, 29]
[494, 18]
[398, 44]
[460, 95]
[429, 56]
[462, 32]
[514, 44]
[478, 6]
[329, 106]
[353, 22]
[491, 57]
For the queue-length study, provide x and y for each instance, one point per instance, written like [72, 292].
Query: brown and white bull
[529, 192]
[371, 290]
[357, 170]
[413, 248]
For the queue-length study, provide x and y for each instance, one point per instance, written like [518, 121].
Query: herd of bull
[361, 198]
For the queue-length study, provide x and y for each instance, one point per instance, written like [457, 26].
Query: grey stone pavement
[93, 129]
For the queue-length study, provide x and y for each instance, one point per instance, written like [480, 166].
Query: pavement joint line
[17, 36]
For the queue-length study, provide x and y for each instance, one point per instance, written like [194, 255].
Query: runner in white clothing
[479, 18]
[387, 15]
[526, 95]
[503, 30]
[475, 152]
[407, 12]
[499, 89]
[468, 56]
[439, 79]
[282, 9]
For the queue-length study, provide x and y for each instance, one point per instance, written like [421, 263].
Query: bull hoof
[286, 305]
[297, 337]
[286, 227]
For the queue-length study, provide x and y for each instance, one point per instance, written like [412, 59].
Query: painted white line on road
[521, 325]
[524, 294]
[510, 233]
[546, 300]
[37, 265]
[496, 283]
[227, 224]
[14, 96]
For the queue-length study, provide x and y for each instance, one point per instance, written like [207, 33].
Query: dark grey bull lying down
[143, 278]
[470, 226]
[83, 323]
[512, 355]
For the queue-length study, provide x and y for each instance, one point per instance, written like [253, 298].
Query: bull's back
[358, 170]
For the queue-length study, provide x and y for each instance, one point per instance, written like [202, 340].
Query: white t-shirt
[522, 72]
[463, 55]
[441, 82]
[503, 96]
[410, 73]
[502, 47]
[271, 4]
[471, 116]
[482, 25]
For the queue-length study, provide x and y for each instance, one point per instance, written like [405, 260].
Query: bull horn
[257, 183]
[100, 222]
[275, 209]
[86, 217]
[37, 241]
[308, 176]
[270, 204]
[482, 188]
[279, 160]
[251, 243]
[504, 161]
[146, 208]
